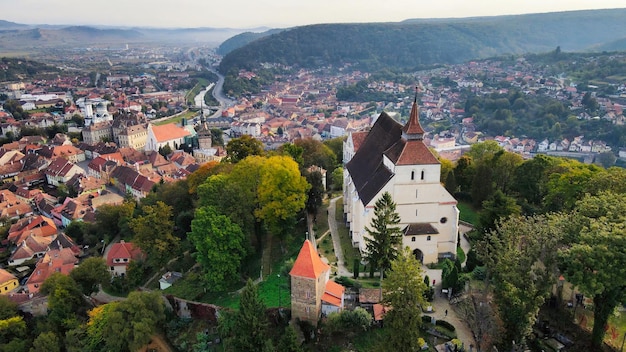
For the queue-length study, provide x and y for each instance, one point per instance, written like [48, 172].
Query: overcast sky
[270, 13]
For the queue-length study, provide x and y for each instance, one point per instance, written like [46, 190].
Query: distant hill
[242, 39]
[415, 44]
[16, 69]
[4, 25]
[19, 37]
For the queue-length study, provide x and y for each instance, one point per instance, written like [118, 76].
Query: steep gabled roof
[366, 167]
[308, 264]
[387, 138]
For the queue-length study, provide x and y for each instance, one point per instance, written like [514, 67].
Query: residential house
[56, 260]
[60, 171]
[32, 246]
[38, 225]
[394, 159]
[8, 282]
[68, 152]
[120, 255]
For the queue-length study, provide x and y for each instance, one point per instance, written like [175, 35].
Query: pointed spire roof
[413, 129]
[308, 264]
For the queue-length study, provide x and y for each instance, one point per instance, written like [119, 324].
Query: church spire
[413, 129]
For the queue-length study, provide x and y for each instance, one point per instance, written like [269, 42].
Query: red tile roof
[358, 138]
[6, 276]
[308, 264]
[123, 250]
[333, 293]
[168, 132]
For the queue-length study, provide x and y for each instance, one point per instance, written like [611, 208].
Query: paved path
[334, 234]
[441, 304]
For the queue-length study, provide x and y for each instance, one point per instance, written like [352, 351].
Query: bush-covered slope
[415, 44]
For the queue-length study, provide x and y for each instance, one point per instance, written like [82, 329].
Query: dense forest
[412, 45]
[242, 39]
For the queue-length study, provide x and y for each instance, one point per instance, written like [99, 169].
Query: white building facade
[393, 158]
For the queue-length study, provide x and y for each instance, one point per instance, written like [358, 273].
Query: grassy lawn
[615, 331]
[468, 213]
[176, 119]
[325, 248]
[349, 253]
[460, 254]
[202, 83]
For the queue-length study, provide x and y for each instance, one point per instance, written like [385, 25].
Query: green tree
[165, 150]
[336, 145]
[91, 273]
[289, 341]
[217, 137]
[568, 184]
[293, 151]
[112, 220]
[126, 325]
[7, 308]
[520, 255]
[316, 153]
[250, 322]
[403, 291]
[281, 194]
[220, 245]
[240, 148]
[336, 179]
[316, 192]
[46, 341]
[606, 159]
[153, 232]
[384, 234]
[65, 302]
[498, 206]
[531, 179]
[595, 261]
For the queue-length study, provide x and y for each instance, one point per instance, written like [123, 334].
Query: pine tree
[289, 341]
[250, 327]
[385, 236]
[403, 293]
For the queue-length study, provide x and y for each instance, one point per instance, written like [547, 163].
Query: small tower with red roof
[309, 276]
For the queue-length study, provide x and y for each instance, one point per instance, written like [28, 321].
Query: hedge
[445, 324]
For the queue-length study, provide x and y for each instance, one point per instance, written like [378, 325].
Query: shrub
[479, 273]
[344, 281]
[447, 333]
[426, 319]
[445, 325]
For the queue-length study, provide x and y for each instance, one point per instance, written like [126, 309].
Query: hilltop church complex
[393, 158]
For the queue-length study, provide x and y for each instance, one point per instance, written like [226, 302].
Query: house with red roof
[60, 171]
[8, 282]
[58, 260]
[38, 225]
[393, 158]
[169, 134]
[311, 290]
[120, 255]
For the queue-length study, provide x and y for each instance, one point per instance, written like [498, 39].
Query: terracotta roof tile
[168, 132]
[308, 264]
